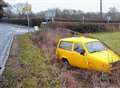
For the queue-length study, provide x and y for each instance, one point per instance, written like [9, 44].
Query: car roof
[79, 39]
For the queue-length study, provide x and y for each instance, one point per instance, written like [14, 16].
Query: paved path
[7, 32]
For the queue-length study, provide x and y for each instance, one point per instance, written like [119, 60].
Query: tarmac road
[7, 32]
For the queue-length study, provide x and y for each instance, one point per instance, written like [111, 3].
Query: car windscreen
[96, 46]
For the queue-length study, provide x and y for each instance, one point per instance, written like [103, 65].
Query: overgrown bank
[73, 77]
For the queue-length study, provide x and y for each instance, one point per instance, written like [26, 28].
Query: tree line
[16, 11]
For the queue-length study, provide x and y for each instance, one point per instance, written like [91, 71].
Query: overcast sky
[85, 5]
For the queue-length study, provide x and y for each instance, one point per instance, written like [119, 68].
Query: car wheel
[66, 63]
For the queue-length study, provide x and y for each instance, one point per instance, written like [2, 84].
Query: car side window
[66, 45]
[78, 48]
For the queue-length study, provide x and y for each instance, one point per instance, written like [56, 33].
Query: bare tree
[113, 13]
[19, 8]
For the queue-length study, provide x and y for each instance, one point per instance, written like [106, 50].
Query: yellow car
[86, 53]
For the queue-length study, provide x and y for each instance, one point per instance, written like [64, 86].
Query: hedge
[87, 27]
[33, 22]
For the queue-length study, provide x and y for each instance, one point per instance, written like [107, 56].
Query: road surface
[7, 32]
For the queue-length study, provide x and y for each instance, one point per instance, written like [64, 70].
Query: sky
[84, 5]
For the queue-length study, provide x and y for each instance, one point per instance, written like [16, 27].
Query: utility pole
[101, 9]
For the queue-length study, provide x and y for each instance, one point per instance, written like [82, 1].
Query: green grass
[111, 39]
[41, 73]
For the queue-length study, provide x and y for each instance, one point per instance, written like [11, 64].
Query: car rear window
[66, 45]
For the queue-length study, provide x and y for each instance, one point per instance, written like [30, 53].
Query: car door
[78, 59]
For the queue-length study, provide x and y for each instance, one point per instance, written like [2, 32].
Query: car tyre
[66, 63]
